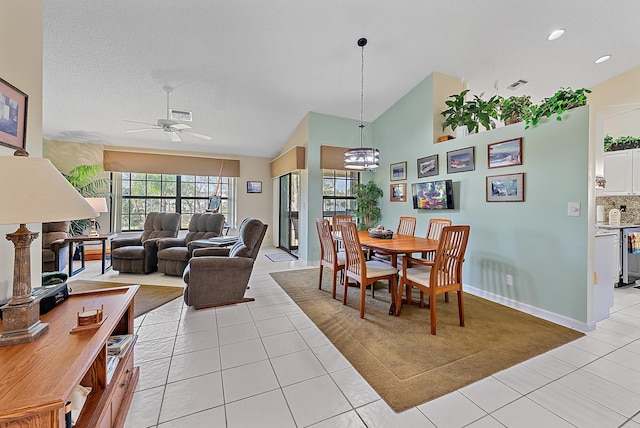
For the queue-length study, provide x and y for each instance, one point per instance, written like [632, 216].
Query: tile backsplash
[632, 215]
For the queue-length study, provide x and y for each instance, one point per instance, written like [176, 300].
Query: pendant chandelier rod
[362, 43]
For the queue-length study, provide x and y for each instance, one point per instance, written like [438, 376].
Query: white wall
[21, 65]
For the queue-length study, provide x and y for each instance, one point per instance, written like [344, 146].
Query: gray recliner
[219, 276]
[55, 252]
[174, 253]
[140, 254]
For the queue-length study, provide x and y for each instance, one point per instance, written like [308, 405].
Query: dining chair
[362, 271]
[329, 256]
[339, 218]
[437, 276]
[434, 230]
[406, 226]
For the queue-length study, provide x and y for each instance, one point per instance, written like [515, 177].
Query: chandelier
[362, 158]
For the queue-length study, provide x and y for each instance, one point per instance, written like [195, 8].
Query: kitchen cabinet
[622, 172]
[606, 274]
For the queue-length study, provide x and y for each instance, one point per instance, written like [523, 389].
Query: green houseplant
[87, 181]
[608, 143]
[513, 109]
[367, 196]
[485, 110]
[460, 112]
[564, 99]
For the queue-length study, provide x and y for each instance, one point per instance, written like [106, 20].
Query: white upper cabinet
[622, 172]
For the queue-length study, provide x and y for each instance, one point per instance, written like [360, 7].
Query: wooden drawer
[122, 383]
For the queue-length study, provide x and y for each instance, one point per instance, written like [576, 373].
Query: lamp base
[21, 324]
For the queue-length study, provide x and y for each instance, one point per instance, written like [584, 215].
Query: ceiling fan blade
[173, 136]
[180, 126]
[141, 129]
[141, 123]
[204, 137]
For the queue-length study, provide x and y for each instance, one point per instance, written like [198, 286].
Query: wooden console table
[39, 377]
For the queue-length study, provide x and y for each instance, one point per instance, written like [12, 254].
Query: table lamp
[32, 191]
[100, 206]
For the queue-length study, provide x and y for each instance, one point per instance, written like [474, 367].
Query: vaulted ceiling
[250, 70]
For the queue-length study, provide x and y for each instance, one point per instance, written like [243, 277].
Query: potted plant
[626, 143]
[460, 114]
[513, 109]
[484, 111]
[564, 99]
[86, 180]
[367, 196]
[608, 143]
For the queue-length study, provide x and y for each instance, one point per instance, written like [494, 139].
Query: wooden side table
[80, 241]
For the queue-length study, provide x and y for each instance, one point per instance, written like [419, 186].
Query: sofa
[55, 251]
[219, 276]
[140, 254]
[174, 253]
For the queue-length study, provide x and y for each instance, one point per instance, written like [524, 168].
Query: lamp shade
[98, 204]
[32, 190]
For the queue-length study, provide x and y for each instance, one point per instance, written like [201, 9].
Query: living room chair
[55, 251]
[329, 255]
[174, 253]
[437, 276]
[140, 254]
[363, 271]
[219, 276]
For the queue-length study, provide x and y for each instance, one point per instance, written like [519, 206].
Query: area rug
[147, 298]
[281, 257]
[401, 360]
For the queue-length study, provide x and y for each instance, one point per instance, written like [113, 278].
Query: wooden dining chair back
[406, 226]
[441, 275]
[329, 256]
[359, 269]
[434, 230]
[337, 219]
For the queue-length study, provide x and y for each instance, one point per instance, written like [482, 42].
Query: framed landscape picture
[398, 192]
[254, 186]
[461, 160]
[13, 116]
[505, 188]
[505, 153]
[398, 171]
[428, 166]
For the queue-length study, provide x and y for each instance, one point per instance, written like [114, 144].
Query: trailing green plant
[563, 100]
[459, 113]
[627, 142]
[513, 109]
[367, 196]
[87, 181]
[608, 143]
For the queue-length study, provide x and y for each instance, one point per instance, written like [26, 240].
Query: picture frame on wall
[428, 166]
[398, 171]
[461, 160]
[505, 188]
[505, 153]
[254, 186]
[398, 192]
[13, 116]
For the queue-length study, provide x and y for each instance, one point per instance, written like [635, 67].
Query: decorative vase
[462, 131]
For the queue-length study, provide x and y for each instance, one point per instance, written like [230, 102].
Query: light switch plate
[573, 209]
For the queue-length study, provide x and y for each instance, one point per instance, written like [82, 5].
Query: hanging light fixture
[362, 158]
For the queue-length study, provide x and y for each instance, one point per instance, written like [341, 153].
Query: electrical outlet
[623, 208]
[509, 279]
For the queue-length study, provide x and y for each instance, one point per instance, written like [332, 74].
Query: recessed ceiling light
[555, 35]
[602, 59]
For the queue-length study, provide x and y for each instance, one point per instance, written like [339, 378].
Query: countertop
[621, 226]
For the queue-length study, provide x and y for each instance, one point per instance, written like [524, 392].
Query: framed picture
[13, 116]
[428, 166]
[254, 186]
[505, 188]
[505, 153]
[461, 160]
[398, 192]
[398, 171]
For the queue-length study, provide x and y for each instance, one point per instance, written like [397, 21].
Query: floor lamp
[32, 191]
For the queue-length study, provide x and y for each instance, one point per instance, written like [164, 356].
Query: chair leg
[446, 297]
[461, 308]
[398, 297]
[346, 284]
[432, 311]
[320, 278]
[333, 289]
[363, 289]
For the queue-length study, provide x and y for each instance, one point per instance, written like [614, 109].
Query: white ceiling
[250, 70]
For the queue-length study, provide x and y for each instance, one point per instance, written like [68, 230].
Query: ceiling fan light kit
[170, 125]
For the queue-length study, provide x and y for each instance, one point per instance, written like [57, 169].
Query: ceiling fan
[170, 125]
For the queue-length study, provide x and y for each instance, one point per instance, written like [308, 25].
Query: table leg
[104, 250]
[71, 259]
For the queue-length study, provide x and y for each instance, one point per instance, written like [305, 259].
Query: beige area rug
[148, 297]
[398, 356]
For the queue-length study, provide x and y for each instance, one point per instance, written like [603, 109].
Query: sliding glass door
[289, 210]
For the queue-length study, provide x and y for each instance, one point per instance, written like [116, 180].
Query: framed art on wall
[505, 188]
[398, 171]
[254, 186]
[428, 166]
[505, 153]
[461, 160]
[13, 116]
[398, 192]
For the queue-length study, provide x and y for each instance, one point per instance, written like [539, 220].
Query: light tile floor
[265, 364]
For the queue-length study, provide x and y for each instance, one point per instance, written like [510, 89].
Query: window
[338, 196]
[186, 194]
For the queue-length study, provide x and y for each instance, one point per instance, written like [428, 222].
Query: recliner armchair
[140, 254]
[219, 276]
[55, 251]
[174, 253]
